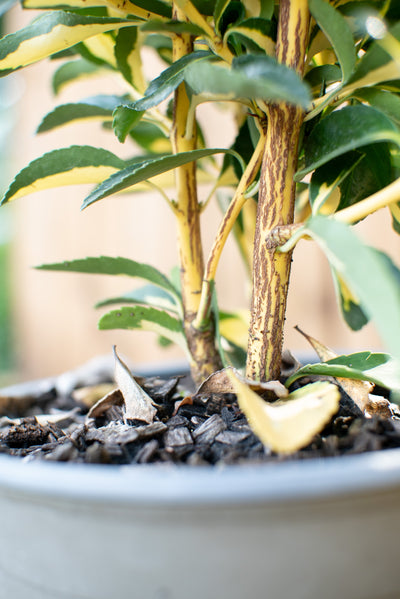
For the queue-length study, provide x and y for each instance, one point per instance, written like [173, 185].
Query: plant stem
[225, 228]
[384, 197]
[271, 269]
[201, 343]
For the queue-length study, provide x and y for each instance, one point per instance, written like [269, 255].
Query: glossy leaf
[320, 77]
[97, 107]
[157, 7]
[125, 119]
[107, 265]
[352, 312]
[378, 368]
[336, 29]
[369, 274]
[72, 71]
[251, 76]
[161, 87]
[173, 27]
[145, 319]
[290, 424]
[344, 130]
[125, 8]
[375, 66]
[383, 100]
[67, 166]
[141, 171]
[51, 33]
[260, 32]
[150, 295]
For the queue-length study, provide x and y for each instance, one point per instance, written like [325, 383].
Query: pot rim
[166, 485]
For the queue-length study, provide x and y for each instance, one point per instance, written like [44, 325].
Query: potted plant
[315, 89]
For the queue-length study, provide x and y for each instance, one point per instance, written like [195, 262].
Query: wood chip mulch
[202, 429]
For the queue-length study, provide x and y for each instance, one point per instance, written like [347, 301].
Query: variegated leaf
[51, 33]
[67, 166]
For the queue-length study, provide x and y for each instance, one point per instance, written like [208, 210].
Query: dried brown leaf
[221, 382]
[138, 404]
[113, 398]
[90, 395]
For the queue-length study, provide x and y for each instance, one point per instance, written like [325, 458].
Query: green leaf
[220, 6]
[157, 7]
[67, 166]
[344, 130]
[108, 265]
[150, 295]
[375, 66]
[125, 119]
[98, 107]
[352, 312]
[51, 33]
[161, 87]
[72, 71]
[261, 33]
[175, 27]
[141, 171]
[370, 275]
[327, 178]
[378, 368]
[336, 29]
[251, 76]
[151, 138]
[386, 101]
[320, 77]
[145, 319]
[127, 55]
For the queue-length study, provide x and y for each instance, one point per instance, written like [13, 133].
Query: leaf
[161, 87]
[127, 55]
[146, 169]
[370, 275]
[251, 76]
[157, 7]
[72, 71]
[173, 27]
[260, 32]
[130, 8]
[97, 107]
[384, 100]
[336, 29]
[222, 382]
[150, 295]
[344, 130]
[352, 312]
[375, 66]
[358, 390]
[145, 319]
[125, 119]
[320, 77]
[51, 33]
[378, 368]
[138, 404]
[67, 166]
[6, 5]
[106, 265]
[287, 426]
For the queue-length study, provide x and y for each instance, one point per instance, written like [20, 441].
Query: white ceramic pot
[323, 529]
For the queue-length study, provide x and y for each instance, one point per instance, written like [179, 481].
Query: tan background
[54, 321]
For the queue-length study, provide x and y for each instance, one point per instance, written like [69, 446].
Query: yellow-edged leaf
[67, 166]
[52, 33]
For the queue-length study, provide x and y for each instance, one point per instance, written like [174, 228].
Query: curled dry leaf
[358, 390]
[287, 426]
[138, 404]
[92, 394]
[221, 382]
[113, 398]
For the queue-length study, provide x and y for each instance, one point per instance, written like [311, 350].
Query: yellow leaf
[287, 426]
